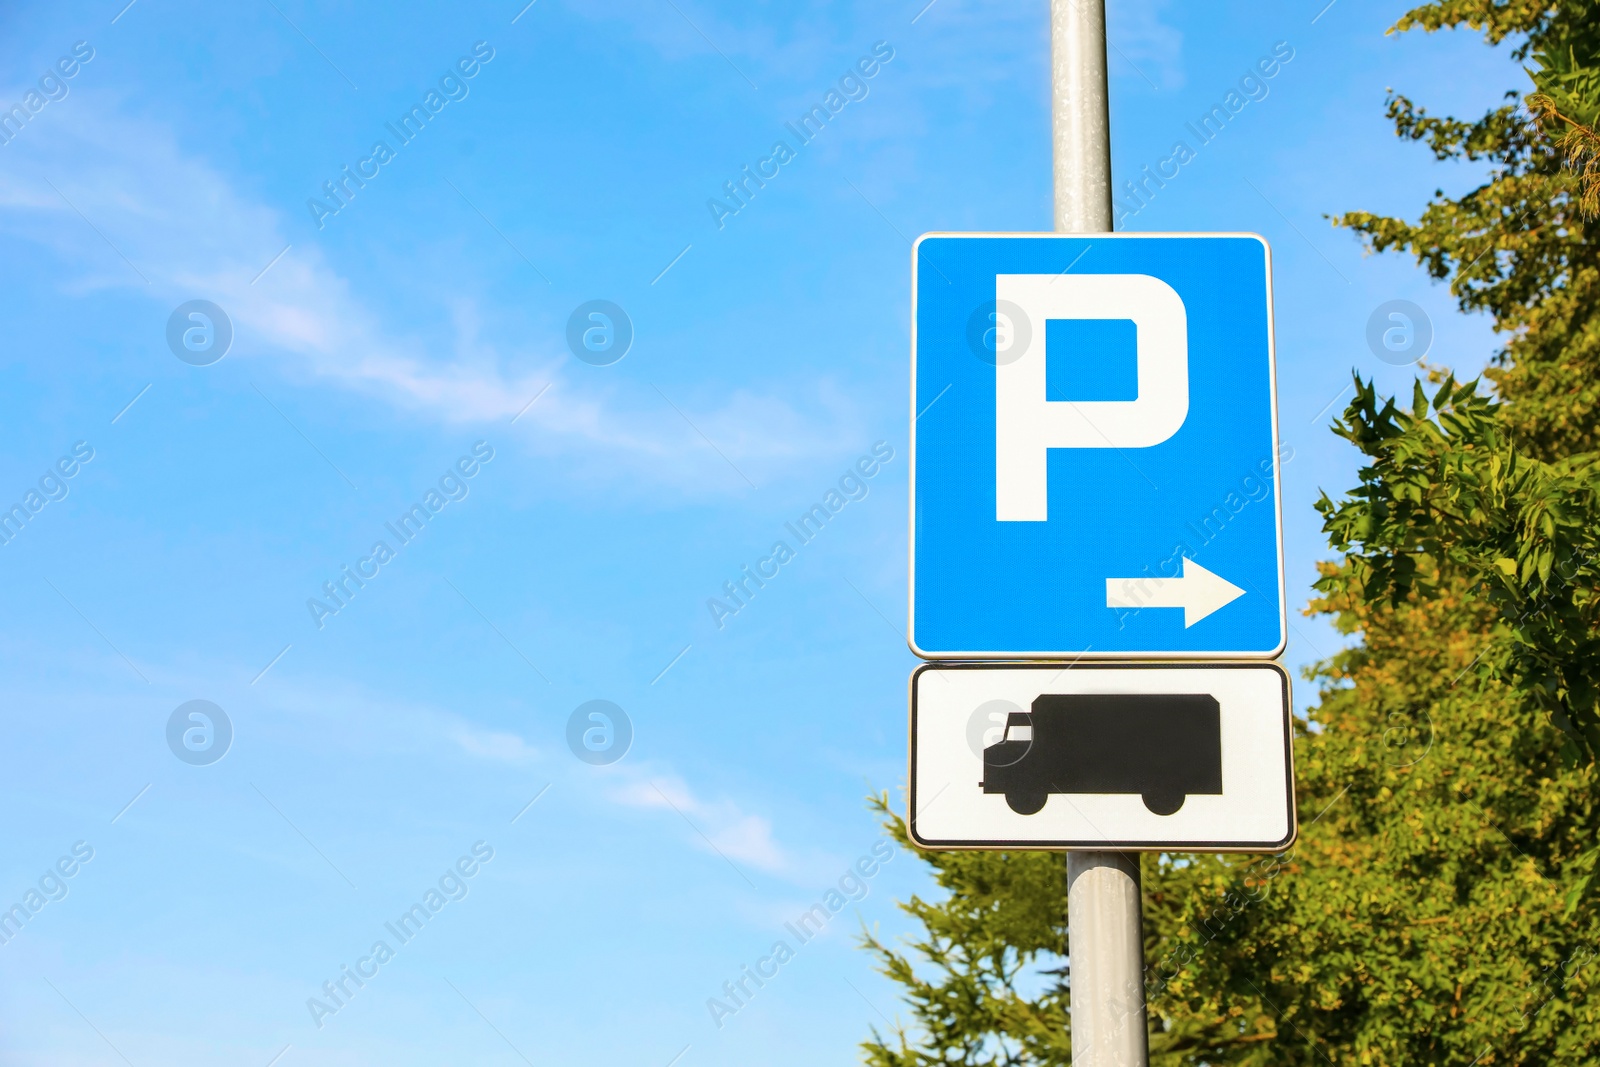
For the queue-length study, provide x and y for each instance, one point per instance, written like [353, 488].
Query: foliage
[1005, 919]
[1452, 500]
[1566, 100]
[1437, 907]
[1499, 496]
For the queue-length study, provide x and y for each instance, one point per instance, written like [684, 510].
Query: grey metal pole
[1106, 942]
[1104, 932]
[1080, 116]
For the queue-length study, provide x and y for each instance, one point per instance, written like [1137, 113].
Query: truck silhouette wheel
[1029, 801]
[1163, 803]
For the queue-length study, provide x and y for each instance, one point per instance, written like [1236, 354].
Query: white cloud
[186, 231]
[749, 838]
[667, 793]
[495, 745]
[738, 835]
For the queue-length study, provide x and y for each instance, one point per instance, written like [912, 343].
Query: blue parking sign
[1095, 462]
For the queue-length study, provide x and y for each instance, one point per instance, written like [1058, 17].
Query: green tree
[1436, 909]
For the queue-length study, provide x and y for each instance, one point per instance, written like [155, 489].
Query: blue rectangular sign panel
[1094, 447]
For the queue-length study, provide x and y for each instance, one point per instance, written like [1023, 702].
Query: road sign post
[1104, 929]
[1105, 936]
[1095, 493]
[1104, 932]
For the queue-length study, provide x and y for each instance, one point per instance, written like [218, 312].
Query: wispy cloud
[190, 231]
[738, 835]
[495, 745]
[185, 226]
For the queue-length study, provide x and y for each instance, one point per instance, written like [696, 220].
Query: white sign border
[1205, 847]
[1075, 654]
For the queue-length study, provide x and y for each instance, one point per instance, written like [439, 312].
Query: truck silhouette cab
[1162, 747]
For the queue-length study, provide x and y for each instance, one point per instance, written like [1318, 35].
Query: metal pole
[1104, 933]
[1107, 949]
[1081, 118]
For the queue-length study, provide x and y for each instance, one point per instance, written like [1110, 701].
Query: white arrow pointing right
[1198, 592]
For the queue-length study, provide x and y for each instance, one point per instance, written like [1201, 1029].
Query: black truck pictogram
[1163, 747]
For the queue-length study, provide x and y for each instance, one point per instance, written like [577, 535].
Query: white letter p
[1027, 425]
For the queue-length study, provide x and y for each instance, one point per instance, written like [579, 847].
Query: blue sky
[371, 754]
